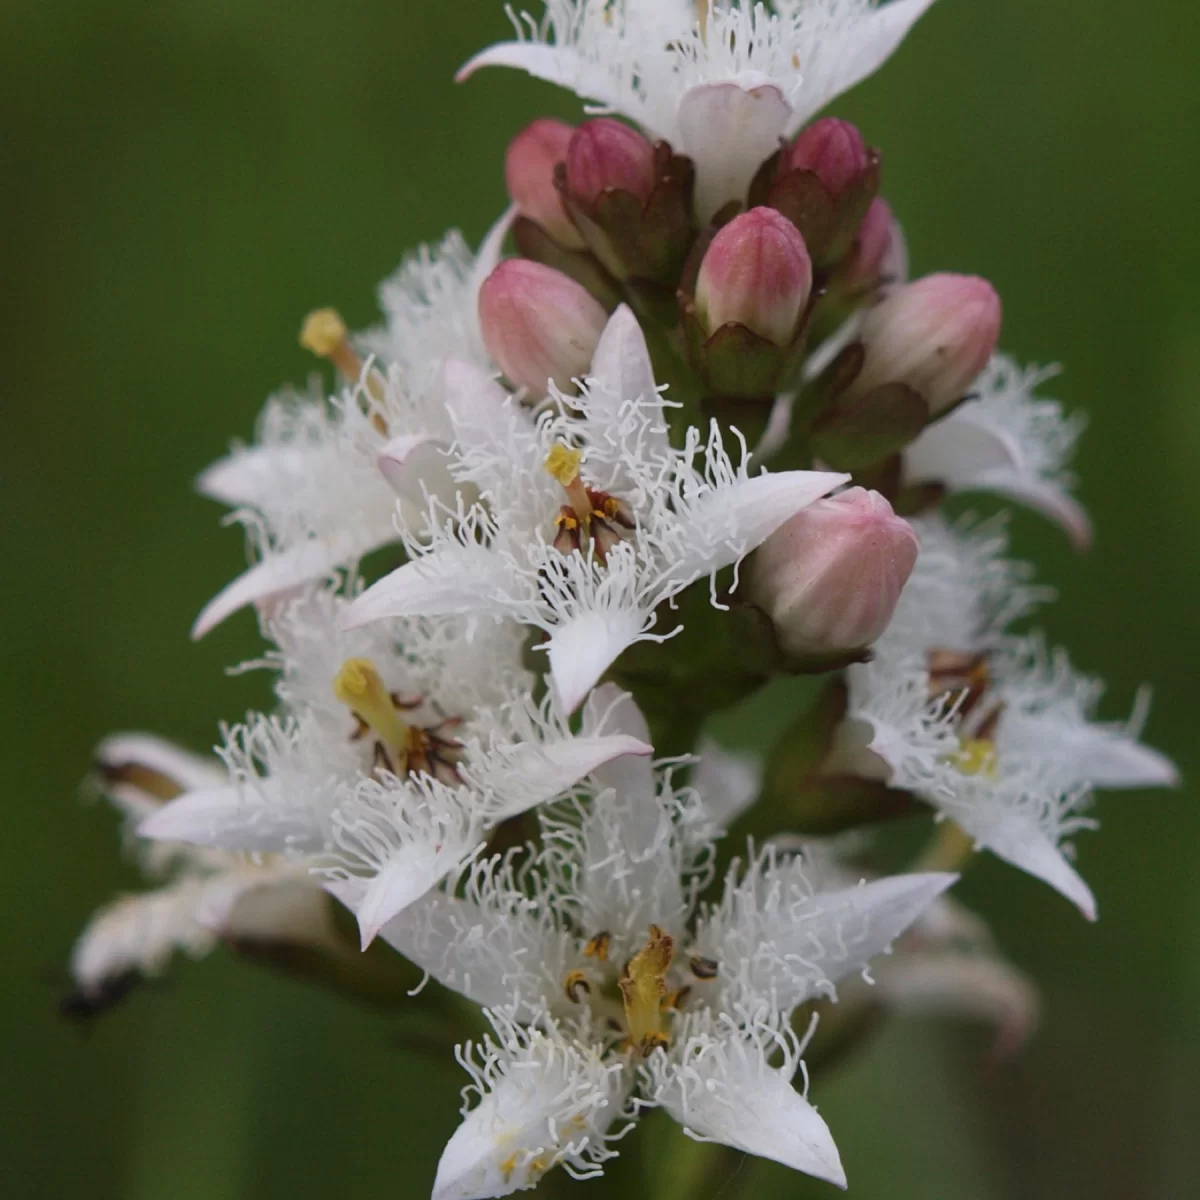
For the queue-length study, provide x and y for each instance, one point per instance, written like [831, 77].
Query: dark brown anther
[703, 968]
[597, 946]
[576, 985]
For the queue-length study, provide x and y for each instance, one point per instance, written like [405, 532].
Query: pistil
[359, 687]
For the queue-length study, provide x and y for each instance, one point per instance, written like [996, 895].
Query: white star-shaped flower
[610, 989]
[395, 751]
[319, 487]
[990, 728]
[587, 519]
[723, 83]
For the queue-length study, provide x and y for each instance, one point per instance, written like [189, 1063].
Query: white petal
[246, 476]
[1023, 845]
[481, 412]
[462, 581]
[727, 782]
[488, 256]
[729, 131]
[311, 559]
[613, 710]
[751, 509]
[546, 1100]
[415, 465]
[530, 774]
[123, 757]
[726, 1091]
[851, 53]
[1054, 503]
[621, 365]
[554, 64]
[582, 649]
[232, 818]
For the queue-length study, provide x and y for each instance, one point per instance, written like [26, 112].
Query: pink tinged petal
[233, 818]
[754, 509]
[744, 1103]
[727, 782]
[582, 649]
[277, 574]
[1022, 844]
[728, 131]
[622, 365]
[414, 466]
[465, 581]
[1053, 503]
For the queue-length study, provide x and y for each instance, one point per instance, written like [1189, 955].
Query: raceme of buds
[529, 175]
[604, 154]
[831, 576]
[935, 335]
[832, 150]
[538, 325]
[756, 272]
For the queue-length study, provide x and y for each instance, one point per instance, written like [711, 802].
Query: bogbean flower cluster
[681, 427]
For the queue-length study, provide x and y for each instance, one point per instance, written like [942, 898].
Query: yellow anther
[597, 947]
[323, 332]
[977, 756]
[577, 985]
[359, 687]
[508, 1166]
[643, 987]
[567, 520]
[562, 463]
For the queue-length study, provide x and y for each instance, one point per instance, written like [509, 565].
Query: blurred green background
[182, 180]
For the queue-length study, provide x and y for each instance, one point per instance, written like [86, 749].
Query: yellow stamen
[359, 687]
[508, 1166]
[324, 334]
[597, 947]
[562, 463]
[977, 756]
[643, 987]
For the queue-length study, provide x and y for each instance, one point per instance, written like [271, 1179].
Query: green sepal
[739, 363]
[855, 432]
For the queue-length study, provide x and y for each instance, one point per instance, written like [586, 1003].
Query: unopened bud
[539, 325]
[830, 578]
[604, 154]
[756, 272]
[935, 335]
[872, 246]
[529, 173]
[832, 150]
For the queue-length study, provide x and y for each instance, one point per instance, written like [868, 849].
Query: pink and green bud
[830, 578]
[539, 325]
[756, 272]
[605, 155]
[872, 247]
[529, 174]
[832, 150]
[935, 335]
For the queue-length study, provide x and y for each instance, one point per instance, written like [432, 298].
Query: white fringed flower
[1006, 439]
[319, 488]
[586, 523]
[988, 727]
[204, 895]
[396, 749]
[722, 82]
[596, 952]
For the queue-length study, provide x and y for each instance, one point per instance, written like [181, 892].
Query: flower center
[590, 517]
[965, 680]
[400, 747]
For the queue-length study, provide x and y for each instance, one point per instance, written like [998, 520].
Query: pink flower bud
[604, 154]
[872, 245]
[757, 272]
[830, 577]
[832, 150]
[538, 324]
[936, 335]
[529, 173]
